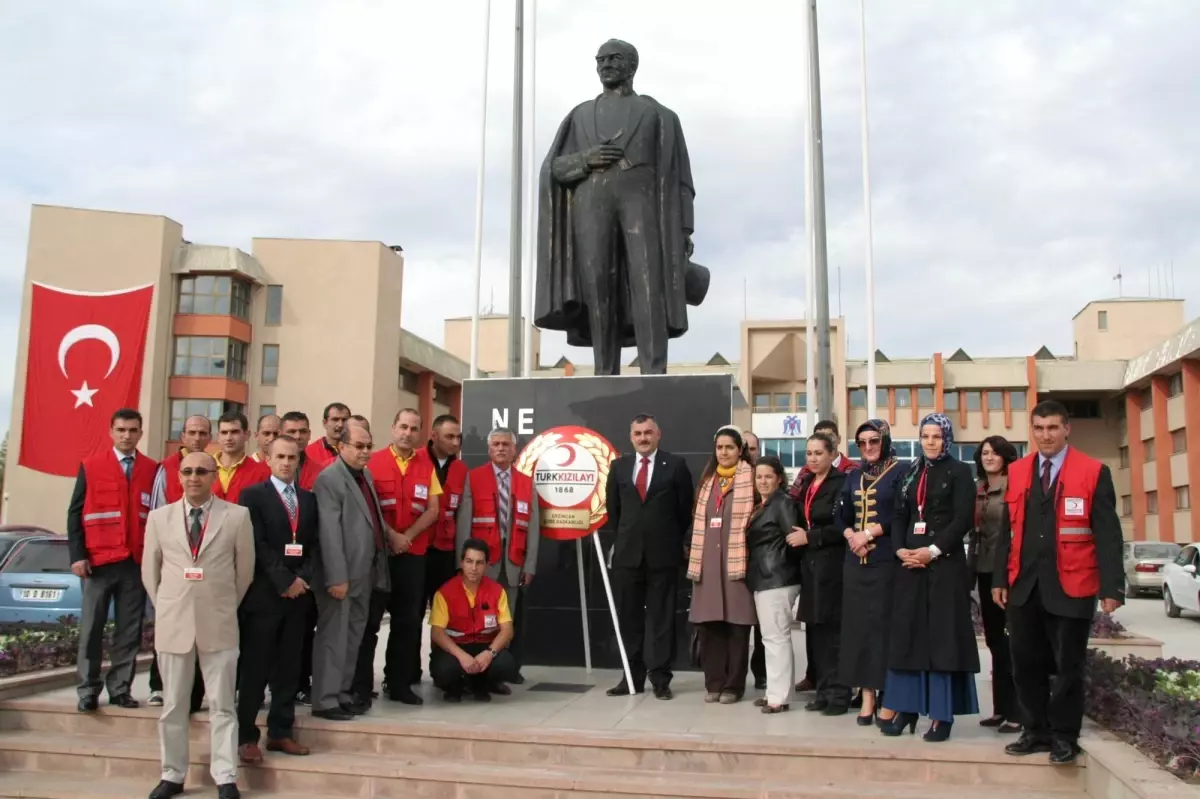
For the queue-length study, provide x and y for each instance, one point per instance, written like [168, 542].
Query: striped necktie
[127, 466]
[289, 500]
[502, 499]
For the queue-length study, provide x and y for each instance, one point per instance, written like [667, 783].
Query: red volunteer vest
[483, 517]
[403, 496]
[114, 509]
[172, 488]
[249, 473]
[469, 624]
[1078, 568]
[452, 491]
[309, 472]
[317, 452]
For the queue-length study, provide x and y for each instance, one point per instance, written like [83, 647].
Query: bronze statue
[615, 224]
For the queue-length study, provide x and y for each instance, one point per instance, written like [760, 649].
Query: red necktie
[643, 477]
[1046, 476]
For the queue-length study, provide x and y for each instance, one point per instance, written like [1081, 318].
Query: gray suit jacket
[512, 572]
[348, 550]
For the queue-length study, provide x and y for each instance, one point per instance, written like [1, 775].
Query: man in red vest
[470, 628]
[325, 451]
[499, 507]
[106, 528]
[409, 496]
[1065, 551]
[441, 561]
[235, 471]
[195, 437]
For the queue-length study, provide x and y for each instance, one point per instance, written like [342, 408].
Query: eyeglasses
[863, 443]
[360, 447]
[198, 471]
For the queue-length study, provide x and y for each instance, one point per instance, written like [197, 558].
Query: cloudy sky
[1023, 152]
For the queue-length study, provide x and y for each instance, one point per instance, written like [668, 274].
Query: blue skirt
[941, 695]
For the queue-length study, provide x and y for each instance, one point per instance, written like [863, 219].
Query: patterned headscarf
[942, 421]
[887, 452]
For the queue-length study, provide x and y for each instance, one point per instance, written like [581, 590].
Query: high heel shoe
[865, 721]
[895, 727]
[939, 733]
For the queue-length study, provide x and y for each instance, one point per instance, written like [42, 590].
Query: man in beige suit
[197, 565]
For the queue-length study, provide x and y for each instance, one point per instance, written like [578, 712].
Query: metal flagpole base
[612, 609]
[583, 610]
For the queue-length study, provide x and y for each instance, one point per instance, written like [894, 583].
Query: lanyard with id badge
[195, 572]
[718, 519]
[922, 485]
[293, 550]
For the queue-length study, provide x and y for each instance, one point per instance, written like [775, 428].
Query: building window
[974, 401]
[1179, 440]
[924, 397]
[762, 402]
[950, 400]
[1082, 409]
[782, 403]
[995, 400]
[904, 398]
[181, 409]
[1175, 385]
[209, 356]
[1149, 447]
[1123, 453]
[1102, 320]
[218, 295]
[266, 410]
[1016, 400]
[1126, 505]
[858, 398]
[1145, 399]
[1151, 502]
[1183, 498]
[409, 383]
[270, 365]
[881, 397]
[802, 400]
[274, 305]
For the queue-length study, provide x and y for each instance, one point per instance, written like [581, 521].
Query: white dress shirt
[637, 465]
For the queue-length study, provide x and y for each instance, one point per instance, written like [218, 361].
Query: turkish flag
[85, 362]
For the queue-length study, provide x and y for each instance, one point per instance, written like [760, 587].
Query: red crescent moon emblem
[570, 456]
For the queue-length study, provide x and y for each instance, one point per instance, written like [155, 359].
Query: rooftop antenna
[491, 306]
[1120, 285]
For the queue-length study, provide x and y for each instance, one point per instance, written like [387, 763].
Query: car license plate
[38, 594]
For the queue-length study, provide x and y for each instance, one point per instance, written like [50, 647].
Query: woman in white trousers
[773, 574]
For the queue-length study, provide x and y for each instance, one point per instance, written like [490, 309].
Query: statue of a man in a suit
[615, 224]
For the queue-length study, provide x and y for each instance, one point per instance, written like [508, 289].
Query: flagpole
[810, 259]
[515, 328]
[476, 278]
[817, 197]
[872, 404]
[532, 200]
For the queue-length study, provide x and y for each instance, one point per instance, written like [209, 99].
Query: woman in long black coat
[932, 653]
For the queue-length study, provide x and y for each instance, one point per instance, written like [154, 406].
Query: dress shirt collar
[1056, 461]
[204, 507]
[651, 455]
[121, 455]
[281, 486]
[496, 470]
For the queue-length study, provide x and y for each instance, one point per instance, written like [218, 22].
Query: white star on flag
[83, 396]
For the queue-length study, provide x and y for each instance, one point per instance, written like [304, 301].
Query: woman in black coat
[773, 574]
[820, 533]
[932, 653]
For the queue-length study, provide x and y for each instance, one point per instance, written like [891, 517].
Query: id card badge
[1074, 506]
[145, 500]
[193, 573]
[919, 528]
[715, 523]
[293, 550]
[490, 621]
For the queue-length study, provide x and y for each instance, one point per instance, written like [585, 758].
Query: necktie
[502, 504]
[1045, 476]
[643, 478]
[195, 530]
[127, 466]
[289, 500]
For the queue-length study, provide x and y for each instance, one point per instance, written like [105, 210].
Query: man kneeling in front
[471, 628]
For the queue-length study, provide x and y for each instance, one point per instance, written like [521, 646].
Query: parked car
[1144, 561]
[1181, 583]
[36, 583]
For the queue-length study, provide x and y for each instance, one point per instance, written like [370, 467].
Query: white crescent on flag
[87, 333]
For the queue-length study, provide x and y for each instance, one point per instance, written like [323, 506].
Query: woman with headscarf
[868, 507]
[722, 605]
[932, 653]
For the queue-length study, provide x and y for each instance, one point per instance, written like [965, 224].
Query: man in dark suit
[649, 498]
[1064, 552]
[274, 612]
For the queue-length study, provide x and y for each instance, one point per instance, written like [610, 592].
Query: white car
[1181, 584]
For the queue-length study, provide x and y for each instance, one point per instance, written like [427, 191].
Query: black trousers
[406, 604]
[724, 650]
[270, 654]
[306, 652]
[448, 674]
[645, 600]
[826, 645]
[364, 668]
[995, 633]
[118, 585]
[758, 657]
[1048, 656]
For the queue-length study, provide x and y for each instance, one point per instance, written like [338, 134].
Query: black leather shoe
[405, 696]
[1063, 752]
[500, 689]
[482, 695]
[835, 710]
[358, 707]
[454, 698]
[88, 704]
[1028, 744]
[760, 683]
[817, 704]
[519, 679]
[663, 692]
[622, 689]
[123, 700]
[333, 714]
[166, 789]
[228, 791]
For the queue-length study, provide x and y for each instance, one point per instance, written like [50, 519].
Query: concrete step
[80, 766]
[825, 761]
